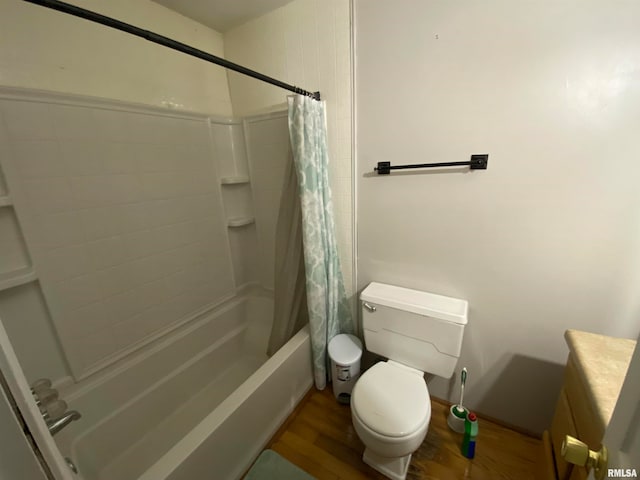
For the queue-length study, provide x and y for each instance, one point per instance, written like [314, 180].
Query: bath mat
[271, 466]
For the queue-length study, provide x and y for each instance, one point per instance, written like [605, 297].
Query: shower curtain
[329, 312]
[289, 293]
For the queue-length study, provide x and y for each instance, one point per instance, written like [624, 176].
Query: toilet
[418, 332]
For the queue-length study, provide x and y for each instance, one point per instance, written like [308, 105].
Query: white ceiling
[222, 15]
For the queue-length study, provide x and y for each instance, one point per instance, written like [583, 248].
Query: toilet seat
[392, 400]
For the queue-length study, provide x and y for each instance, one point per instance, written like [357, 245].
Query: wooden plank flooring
[319, 438]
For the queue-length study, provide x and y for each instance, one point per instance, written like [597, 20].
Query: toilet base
[395, 468]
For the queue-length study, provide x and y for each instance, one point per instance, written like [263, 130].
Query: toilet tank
[418, 329]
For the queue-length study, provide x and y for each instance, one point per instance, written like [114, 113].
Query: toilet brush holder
[456, 418]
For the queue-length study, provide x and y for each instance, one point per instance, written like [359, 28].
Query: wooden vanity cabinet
[573, 416]
[593, 377]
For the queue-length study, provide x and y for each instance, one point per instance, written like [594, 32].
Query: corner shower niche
[231, 152]
[15, 262]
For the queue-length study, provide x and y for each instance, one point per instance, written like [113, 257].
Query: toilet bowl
[391, 409]
[417, 332]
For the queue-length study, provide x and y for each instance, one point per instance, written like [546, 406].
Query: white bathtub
[190, 408]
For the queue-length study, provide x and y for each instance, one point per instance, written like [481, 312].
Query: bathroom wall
[547, 238]
[123, 218]
[305, 43]
[48, 50]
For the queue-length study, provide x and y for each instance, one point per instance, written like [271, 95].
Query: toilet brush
[463, 380]
[458, 413]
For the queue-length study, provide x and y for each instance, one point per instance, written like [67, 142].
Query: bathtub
[190, 408]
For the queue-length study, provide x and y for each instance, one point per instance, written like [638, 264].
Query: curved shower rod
[167, 42]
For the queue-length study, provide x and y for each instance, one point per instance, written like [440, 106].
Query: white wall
[305, 43]
[544, 240]
[123, 217]
[48, 50]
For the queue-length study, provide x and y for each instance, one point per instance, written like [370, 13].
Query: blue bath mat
[271, 466]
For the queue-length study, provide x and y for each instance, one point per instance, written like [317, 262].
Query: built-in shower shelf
[5, 201]
[240, 221]
[234, 180]
[17, 277]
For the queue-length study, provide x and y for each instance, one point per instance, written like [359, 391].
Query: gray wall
[544, 240]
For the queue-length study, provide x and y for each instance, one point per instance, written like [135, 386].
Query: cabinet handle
[577, 452]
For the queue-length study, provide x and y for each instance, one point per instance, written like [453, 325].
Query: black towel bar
[477, 162]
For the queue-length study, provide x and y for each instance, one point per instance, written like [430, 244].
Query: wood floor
[319, 438]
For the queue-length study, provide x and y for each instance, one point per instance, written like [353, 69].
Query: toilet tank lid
[423, 303]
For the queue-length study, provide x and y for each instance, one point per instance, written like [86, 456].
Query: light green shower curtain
[329, 312]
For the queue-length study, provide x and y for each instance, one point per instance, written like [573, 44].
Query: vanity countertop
[602, 363]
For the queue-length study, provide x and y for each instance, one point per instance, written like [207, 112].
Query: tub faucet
[58, 424]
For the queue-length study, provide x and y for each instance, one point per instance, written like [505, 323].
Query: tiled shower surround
[122, 212]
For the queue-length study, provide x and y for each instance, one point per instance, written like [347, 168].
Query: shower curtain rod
[167, 42]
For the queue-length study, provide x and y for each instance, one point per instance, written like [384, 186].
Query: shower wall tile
[105, 253]
[111, 125]
[29, 121]
[151, 268]
[39, 158]
[156, 186]
[49, 195]
[156, 158]
[131, 217]
[74, 123]
[78, 291]
[116, 279]
[86, 320]
[98, 223]
[102, 190]
[82, 157]
[127, 229]
[305, 43]
[149, 294]
[123, 305]
[93, 347]
[67, 262]
[57, 230]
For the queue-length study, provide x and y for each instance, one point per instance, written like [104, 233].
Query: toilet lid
[391, 400]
